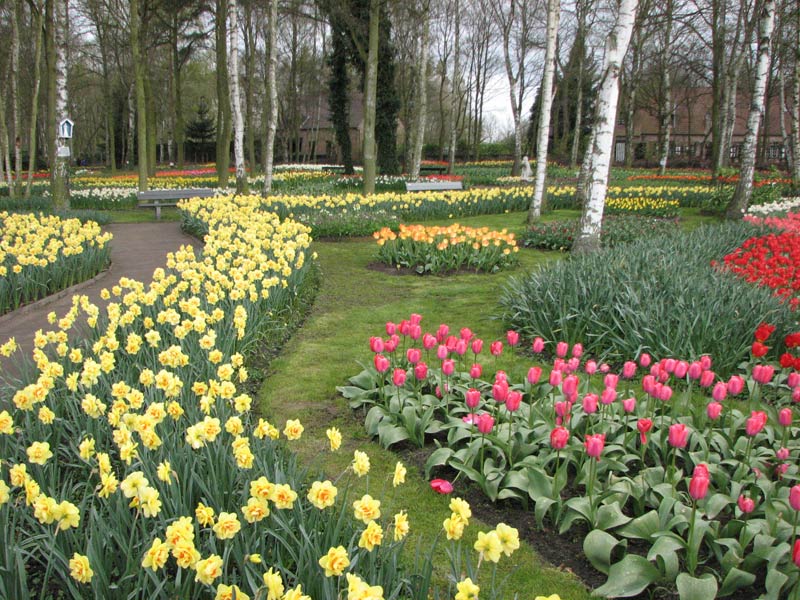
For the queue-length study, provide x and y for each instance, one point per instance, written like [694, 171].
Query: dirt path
[136, 251]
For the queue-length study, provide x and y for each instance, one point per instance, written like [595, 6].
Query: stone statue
[525, 174]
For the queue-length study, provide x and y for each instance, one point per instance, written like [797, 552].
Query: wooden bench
[427, 186]
[160, 198]
[432, 169]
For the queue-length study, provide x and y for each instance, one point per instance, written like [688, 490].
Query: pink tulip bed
[677, 477]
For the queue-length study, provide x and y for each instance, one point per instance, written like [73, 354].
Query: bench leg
[158, 212]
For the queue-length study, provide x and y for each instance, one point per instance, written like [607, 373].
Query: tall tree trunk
[796, 105]
[272, 95]
[50, 51]
[37, 78]
[236, 99]
[151, 130]
[177, 94]
[576, 134]
[59, 190]
[5, 167]
[744, 189]
[545, 106]
[16, 15]
[454, 87]
[718, 104]
[631, 87]
[786, 138]
[141, 102]
[599, 153]
[223, 96]
[418, 136]
[370, 97]
[249, 91]
[108, 100]
[667, 110]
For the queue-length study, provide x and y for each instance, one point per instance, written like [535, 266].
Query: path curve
[137, 249]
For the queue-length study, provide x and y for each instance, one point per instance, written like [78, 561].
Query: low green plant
[560, 235]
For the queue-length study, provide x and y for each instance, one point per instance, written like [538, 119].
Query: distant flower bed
[446, 249]
[563, 196]
[560, 235]
[780, 207]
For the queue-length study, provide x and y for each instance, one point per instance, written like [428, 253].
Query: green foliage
[559, 235]
[34, 203]
[657, 295]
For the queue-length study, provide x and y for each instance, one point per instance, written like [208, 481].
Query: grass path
[354, 303]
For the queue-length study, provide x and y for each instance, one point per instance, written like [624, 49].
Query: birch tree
[455, 97]
[139, 91]
[223, 94]
[667, 109]
[58, 188]
[598, 155]
[795, 112]
[236, 98]
[744, 189]
[546, 104]
[37, 78]
[271, 94]
[421, 96]
[370, 96]
[16, 15]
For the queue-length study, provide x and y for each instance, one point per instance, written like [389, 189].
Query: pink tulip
[695, 370]
[561, 349]
[590, 403]
[763, 373]
[415, 319]
[477, 345]
[608, 396]
[473, 397]
[534, 374]
[513, 400]
[391, 328]
[648, 384]
[403, 327]
[442, 486]
[713, 410]
[413, 355]
[644, 426]
[470, 419]
[720, 391]
[448, 366]
[665, 393]
[466, 333]
[559, 438]
[570, 385]
[512, 337]
[735, 385]
[573, 364]
[705, 362]
[644, 360]
[611, 380]
[746, 504]
[381, 363]
[391, 344]
[414, 331]
[500, 376]
[538, 345]
[681, 367]
[500, 391]
[563, 411]
[785, 417]
[475, 371]
[428, 341]
[796, 553]
[376, 344]
[603, 368]
[496, 348]
[577, 350]
[755, 423]
[485, 423]
[668, 364]
[399, 377]
[594, 445]
[555, 378]
[628, 370]
[678, 435]
[794, 497]
[706, 378]
[793, 380]
[590, 367]
[560, 365]
[782, 453]
[421, 371]
[451, 342]
[461, 347]
[781, 469]
[441, 333]
[441, 352]
[629, 405]
[698, 486]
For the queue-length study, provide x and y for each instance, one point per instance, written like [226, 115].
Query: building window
[775, 151]
[735, 150]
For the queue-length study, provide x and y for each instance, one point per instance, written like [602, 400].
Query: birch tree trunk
[744, 189]
[177, 94]
[786, 137]
[236, 98]
[59, 190]
[796, 106]
[37, 78]
[666, 89]
[599, 152]
[370, 95]
[422, 95]
[141, 102]
[5, 168]
[454, 86]
[223, 95]
[15, 99]
[272, 96]
[576, 134]
[545, 107]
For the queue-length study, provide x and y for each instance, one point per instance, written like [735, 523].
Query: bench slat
[420, 186]
[178, 194]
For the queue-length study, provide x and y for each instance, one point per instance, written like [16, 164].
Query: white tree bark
[796, 106]
[454, 87]
[236, 97]
[786, 137]
[422, 93]
[370, 96]
[15, 100]
[37, 78]
[59, 190]
[272, 95]
[545, 108]
[599, 152]
[666, 85]
[744, 189]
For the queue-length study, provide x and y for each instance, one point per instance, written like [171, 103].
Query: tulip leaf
[665, 552]
[629, 577]
[716, 504]
[542, 505]
[735, 579]
[643, 527]
[696, 588]
[389, 434]
[598, 547]
[438, 457]
[774, 584]
[610, 516]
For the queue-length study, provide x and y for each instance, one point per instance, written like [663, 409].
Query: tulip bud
[448, 366]
[678, 435]
[485, 423]
[559, 438]
[644, 426]
[785, 417]
[720, 391]
[698, 486]
[472, 397]
[512, 337]
[381, 363]
[735, 385]
[561, 349]
[476, 371]
[538, 345]
[399, 377]
[713, 410]
[421, 371]
[376, 344]
[513, 400]
[629, 405]
[477, 345]
[534, 374]
[570, 385]
[628, 370]
[746, 504]
[782, 453]
[590, 403]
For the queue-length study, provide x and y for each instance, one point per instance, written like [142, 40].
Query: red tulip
[381, 363]
[746, 504]
[538, 345]
[644, 426]
[758, 349]
[513, 400]
[473, 397]
[448, 366]
[413, 355]
[485, 423]
[421, 371]
[496, 348]
[644, 360]
[534, 374]
[512, 337]
[629, 405]
[561, 349]
[720, 391]
[678, 435]
[442, 486]
[376, 344]
[476, 371]
[763, 331]
[594, 444]
[577, 350]
[590, 403]
[477, 345]
[399, 377]
[785, 417]
[559, 438]
[713, 410]
[628, 370]
[755, 423]
[735, 385]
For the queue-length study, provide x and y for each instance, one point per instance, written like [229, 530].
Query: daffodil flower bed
[655, 201]
[132, 464]
[42, 254]
[446, 249]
